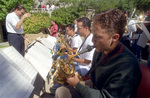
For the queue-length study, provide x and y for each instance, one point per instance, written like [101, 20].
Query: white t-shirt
[11, 21]
[88, 55]
[76, 41]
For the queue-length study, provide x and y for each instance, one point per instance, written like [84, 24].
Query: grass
[4, 46]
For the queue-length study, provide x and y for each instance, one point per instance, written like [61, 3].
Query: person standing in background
[44, 7]
[75, 25]
[47, 7]
[14, 21]
[147, 25]
[52, 7]
[137, 50]
[131, 28]
[53, 28]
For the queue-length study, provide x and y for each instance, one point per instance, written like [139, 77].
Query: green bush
[33, 24]
[7, 5]
[63, 15]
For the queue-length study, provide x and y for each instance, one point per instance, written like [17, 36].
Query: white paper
[49, 42]
[40, 58]
[142, 40]
[43, 50]
[19, 63]
[51, 39]
[12, 83]
[136, 36]
[144, 37]
[145, 31]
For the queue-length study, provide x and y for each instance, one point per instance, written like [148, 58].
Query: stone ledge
[32, 37]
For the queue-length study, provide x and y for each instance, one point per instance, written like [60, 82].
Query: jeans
[136, 49]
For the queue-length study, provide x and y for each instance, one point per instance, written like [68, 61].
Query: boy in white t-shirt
[75, 41]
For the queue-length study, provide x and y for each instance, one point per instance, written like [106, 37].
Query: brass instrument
[88, 48]
[63, 40]
[63, 70]
[66, 68]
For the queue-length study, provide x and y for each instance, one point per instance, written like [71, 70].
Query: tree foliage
[105, 5]
[76, 8]
[37, 21]
[126, 5]
[64, 15]
[142, 5]
[7, 5]
[72, 9]
[100, 5]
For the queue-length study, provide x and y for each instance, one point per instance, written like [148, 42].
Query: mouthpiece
[88, 48]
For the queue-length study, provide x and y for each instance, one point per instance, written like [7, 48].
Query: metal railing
[41, 9]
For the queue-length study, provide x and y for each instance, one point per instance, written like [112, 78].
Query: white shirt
[52, 7]
[130, 28]
[88, 55]
[47, 7]
[11, 21]
[76, 41]
[75, 28]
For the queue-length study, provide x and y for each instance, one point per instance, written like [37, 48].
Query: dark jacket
[116, 75]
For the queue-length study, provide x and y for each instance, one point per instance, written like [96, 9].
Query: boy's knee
[62, 92]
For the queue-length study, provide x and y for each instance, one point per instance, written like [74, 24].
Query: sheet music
[144, 37]
[42, 56]
[145, 31]
[45, 51]
[40, 59]
[19, 63]
[12, 83]
[142, 40]
[136, 36]
[49, 42]
[51, 39]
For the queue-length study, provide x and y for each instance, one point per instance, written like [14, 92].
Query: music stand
[45, 31]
